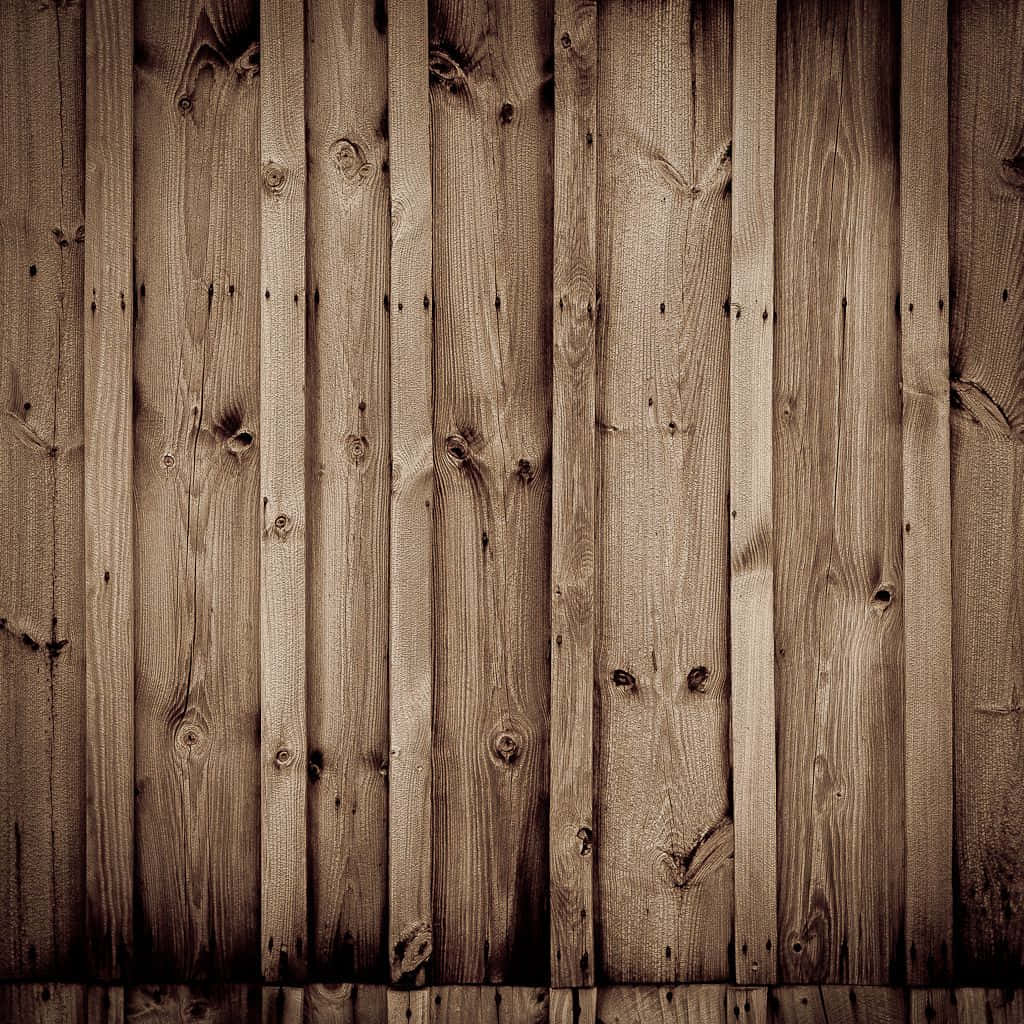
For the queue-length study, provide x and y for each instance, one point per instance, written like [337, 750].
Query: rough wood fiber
[207, 1004]
[648, 1004]
[491, 154]
[281, 1004]
[924, 302]
[828, 1004]
[966, 1005]
[42, 646]
[345, 1004]
[409, 1007]
[987, 362]
[451, 1004]
[752, 657]
[572, 1006]
[837, 496]
[196, 483]
[664, 830]
[107, 513]
[411, 636]
[348, 487]
[44, 1004]
[747, 1005]
[283, 493]
[574, 312]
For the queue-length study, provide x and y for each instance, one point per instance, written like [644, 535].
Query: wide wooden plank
[752, 648]
[283, 492]
[345, 1004]
[196, 485]
[411, 636]
[107, 513]
[42, 649]
[491, 156]
[650, 1004]
[927, 595]
[412, 1007]
[837, 495]
[572, 496]
[43, 1004]
[348, 487]
[664, 847]
[491, 1004]
[832, 1004]
[211, 1004]
[987, 370]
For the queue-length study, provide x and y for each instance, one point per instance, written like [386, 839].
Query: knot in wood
[283, 757]
[412, 950]
[624, 680]
[586, 837]
[274, 176]
[457, 448]
[283, 525]
[356, 449]
[168, 460]
[185, 104]
[189, 737]
[350, 162]
[697, 679]
[506, 748]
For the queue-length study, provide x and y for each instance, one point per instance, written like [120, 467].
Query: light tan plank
[573, 1006]
[282, 1004]
[410, 935]
[752, 649]
[345, 1004]
[747, 1005]
[650, 1004]
[834, 1004]
[409, 1007]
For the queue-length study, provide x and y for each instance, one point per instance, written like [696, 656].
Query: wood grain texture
[411, 626]
[348, 487]
[205, 1004]
[751, 554]
[650, 1004]
[42, 648]
[196, 485]
[107, 512]
[927, 594]
[574, 311]
[345, 1004]
[664, 829]
[472, 1004]
[572, 1006]
[747, 1004]
[282, 1004]
[43, 1004]
[837, 496]
[987, 426]
[832, 1004]
[409, 1007]
[104, 1004]
[963, 1005]
[283, 493]
[491, 156]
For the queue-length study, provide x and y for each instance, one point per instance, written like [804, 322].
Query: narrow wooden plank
[104, 1004]
[42, 648]
[678, 1004]
[282, 1004]
[746, 1004]
[987, 370]
[197, 490]
[752, 648]
[412, 1007]
[491, 161]
[934, 1006]
[109, 677]
[411, 652]
[43, 1004]
[348, 487]
[665, 843]
[211, 1004]
[837, 503]
[571, 836]
[282, 482]
[833, 1004]
[345, 1004]
[927, 593]
[573, 1005]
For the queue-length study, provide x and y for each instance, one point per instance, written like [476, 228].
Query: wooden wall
[514, 494]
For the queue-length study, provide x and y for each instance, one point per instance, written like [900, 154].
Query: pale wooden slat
[108, 514]
[282, 476]
[750, 445]
[411, 627]
[573, 1006]
[409, 1007]
[571, 836]
[747, 1004]
[927, 590]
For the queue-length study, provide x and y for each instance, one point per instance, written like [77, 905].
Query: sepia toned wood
[669, 1004]
[573, 1006]
[107, 510]
[927, 595]
[196, 478]
[747, 1004]
[571, 836]
[934, 1006]
[348, 487]
[665, 836]
[833, 1004]
[411, 582]
[986, 325]
[752, 656]
[409, 1007]
[282, 1004]
[209, 1004]
[283, 502]
[491, 156]
[104, 1004]
[958, 1006]
[473, 1004]
[837, 496]
[44, 1004]
[42, 635]
[345, 1004]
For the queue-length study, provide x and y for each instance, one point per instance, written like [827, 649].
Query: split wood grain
[573, 1006]
[283, 487]
[348, 487]
[411, 594]
[196, 478]
[669, 1004]
[927, 591]
[491, 158]
[987, 368]
[662, 801]
[571, 836]
[752, 648]
[107, 512]
[837, 496]
[42, 636]
[833, 1004]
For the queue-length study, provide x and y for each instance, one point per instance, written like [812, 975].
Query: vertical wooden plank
[282, 480]
[837, 495]
[491, 158]
[934, 1006]
[987, 370]
[411, 1007]
[104, 1004]
[571, 839]
[211, 1004]
[109, 678]
[752, 648]
[993, 1006]
[410, 935]
[42, 648]
[833, 1004]
[747, 1004]
[282, 1004]
[197, 490]
[345, 1004]
[43, 1004]
[662, 795]
[573, 1006]
[348, 486]
[678, 1004]
[927, 595]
